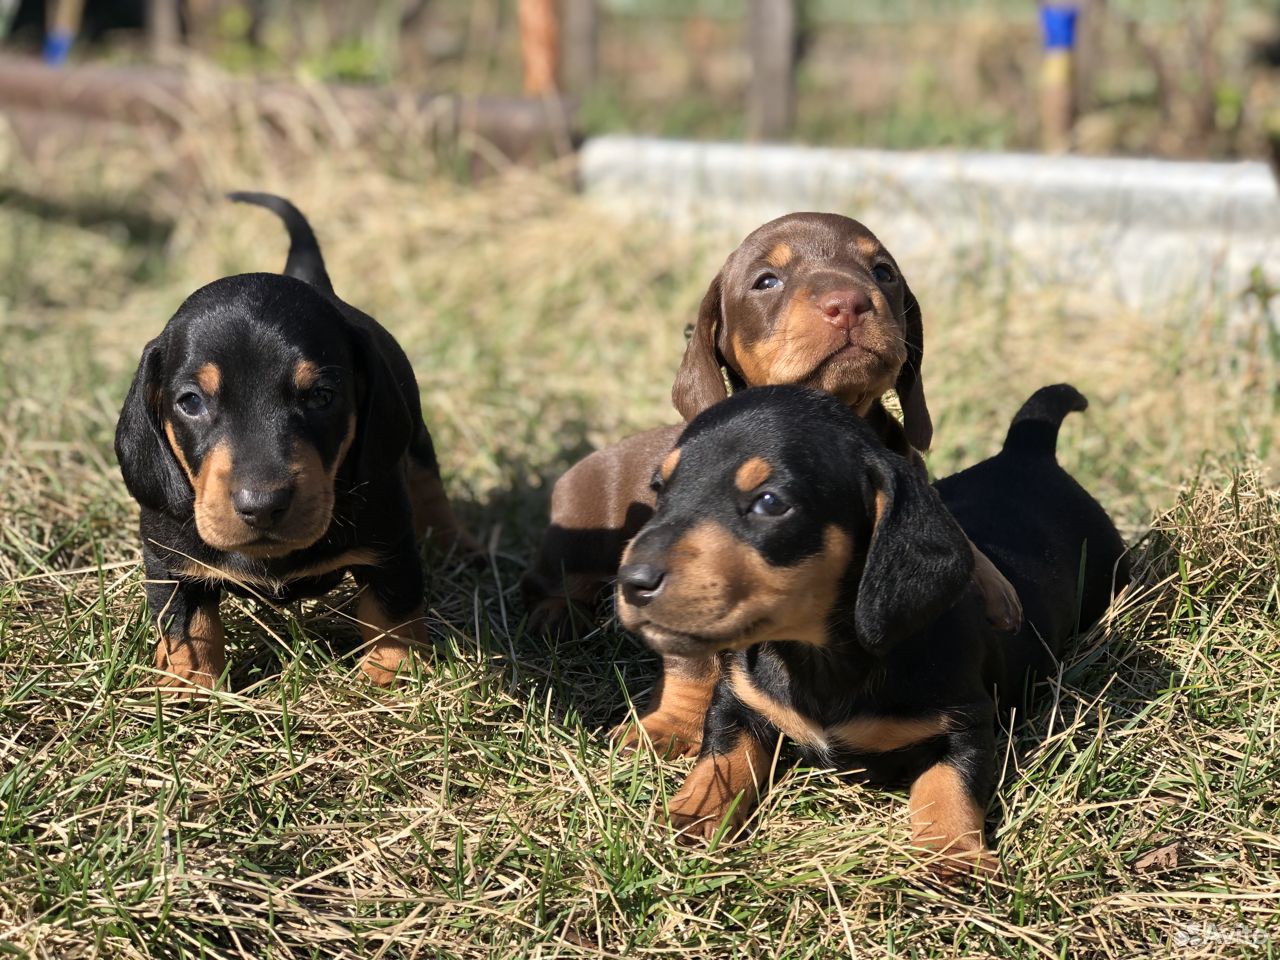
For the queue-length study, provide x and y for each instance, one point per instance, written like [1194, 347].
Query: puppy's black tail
[1034, 431]
[305, 262]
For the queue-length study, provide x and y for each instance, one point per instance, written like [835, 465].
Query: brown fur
[389, 644]
[678, 705]
[751, 474]
[198, 659]
[209, 377]
[433, 519]
[945, 819]
[305, 375]
[352, 558]
[215, 513]
[700, 806]
[669, 464]
[718, 587]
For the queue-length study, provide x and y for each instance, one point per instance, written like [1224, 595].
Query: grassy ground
[480, 811]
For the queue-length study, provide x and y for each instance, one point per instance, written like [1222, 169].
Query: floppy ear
[383, 427]
[909, 386]
[699, 383]
[918, 562]
[150, 470]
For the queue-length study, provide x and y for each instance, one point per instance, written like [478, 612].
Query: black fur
[256, 328]
[907, 636]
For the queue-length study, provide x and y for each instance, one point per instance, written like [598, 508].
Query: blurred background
[1170, 78]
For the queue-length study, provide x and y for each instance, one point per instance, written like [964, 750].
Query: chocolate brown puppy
[273, 436]
[810, 298]
[833, 586]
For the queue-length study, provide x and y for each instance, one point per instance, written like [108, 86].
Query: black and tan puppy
[834, 585]
[809, 298]
[273, 437]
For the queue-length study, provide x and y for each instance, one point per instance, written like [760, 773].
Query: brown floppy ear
[699, 382]
[910, 386]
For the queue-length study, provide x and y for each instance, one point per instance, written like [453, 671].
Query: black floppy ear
[150, 470]
[910, 386]
[383, 426]
[918, 562]
[699, 382]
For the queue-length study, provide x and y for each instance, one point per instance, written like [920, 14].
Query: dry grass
[479, 811]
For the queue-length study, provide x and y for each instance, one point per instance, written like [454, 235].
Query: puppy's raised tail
[1034, 431]
[305, 262]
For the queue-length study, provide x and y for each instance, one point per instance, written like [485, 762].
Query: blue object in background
[57, 45]
[1058, 25]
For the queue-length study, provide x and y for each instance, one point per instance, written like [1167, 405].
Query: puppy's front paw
[390, 647]
[667, 733]
[716, 782]
[956, 865]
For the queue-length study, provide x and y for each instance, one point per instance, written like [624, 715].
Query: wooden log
[519, 128]
[771, 95]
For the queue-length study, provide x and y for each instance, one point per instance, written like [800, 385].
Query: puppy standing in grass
[273, 436]
[809, 298]
[832, 582]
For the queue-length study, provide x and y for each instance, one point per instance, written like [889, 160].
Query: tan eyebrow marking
[752, 473]
[669, 464]
[209, 377]
[779, 256]
[305, 375]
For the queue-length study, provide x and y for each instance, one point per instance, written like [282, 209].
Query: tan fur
[433, 518]
[352, 558]
[673, 724]
[209, 377]
[803, 345]
[388, 644]
[752, 473]
[945, 819]
[305, 375]
[723, 591]
[669, 464]
[700, 806]
[779, 256]
[197, 659]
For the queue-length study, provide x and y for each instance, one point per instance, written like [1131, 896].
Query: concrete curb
[1143, 232]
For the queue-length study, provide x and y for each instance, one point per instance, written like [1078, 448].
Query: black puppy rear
[1045, 533]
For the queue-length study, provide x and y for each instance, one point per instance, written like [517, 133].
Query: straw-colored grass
[480, 811]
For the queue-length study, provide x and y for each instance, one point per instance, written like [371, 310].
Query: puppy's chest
[279, 580]
[852, 723]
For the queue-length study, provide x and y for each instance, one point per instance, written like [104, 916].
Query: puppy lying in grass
[273, 437]
[834, 585]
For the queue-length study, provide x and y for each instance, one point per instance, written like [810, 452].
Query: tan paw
[668, 735]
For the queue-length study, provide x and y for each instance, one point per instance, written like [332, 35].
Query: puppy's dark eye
[766, 281]
[884, 273]
[769, 505]
[191, 404]
[656, 483]
[318, 398]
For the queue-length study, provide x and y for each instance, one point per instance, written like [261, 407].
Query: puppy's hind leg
[433, 518]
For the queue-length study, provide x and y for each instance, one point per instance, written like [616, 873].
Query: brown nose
[842, 307]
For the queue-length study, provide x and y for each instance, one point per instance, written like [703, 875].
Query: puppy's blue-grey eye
[769, 505]
[191, 404]
[319, 398]
[767, 281]
[884, 273]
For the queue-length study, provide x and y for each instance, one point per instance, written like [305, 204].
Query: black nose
[262, 509]
[641, 582]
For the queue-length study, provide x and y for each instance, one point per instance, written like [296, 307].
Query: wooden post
[771, 32]
[1057, 90]
[579, 40]
[164, 31]
[539, 45]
